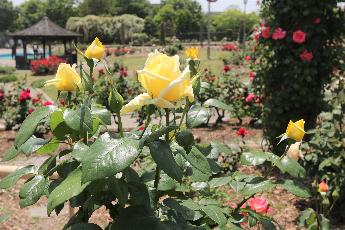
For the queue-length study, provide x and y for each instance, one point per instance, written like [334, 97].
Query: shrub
[292, 69]
[46, 66]
[7, 69]
[139, 39]
[8, 78]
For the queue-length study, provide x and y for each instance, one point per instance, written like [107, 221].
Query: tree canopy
[7, 15]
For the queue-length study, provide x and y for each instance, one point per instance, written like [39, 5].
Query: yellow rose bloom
[66, 79]
[295, 130]
[163, 81]
[192, 53]
[95, 50]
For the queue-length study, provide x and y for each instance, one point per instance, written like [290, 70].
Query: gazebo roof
[45, 28]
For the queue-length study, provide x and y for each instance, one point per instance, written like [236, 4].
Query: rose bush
[152, 177]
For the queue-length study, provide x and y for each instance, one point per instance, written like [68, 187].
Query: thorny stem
[119, 125]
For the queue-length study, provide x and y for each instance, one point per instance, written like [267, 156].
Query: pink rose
[252, 76]
[317, 21]
[250, 97]
[278, 33]
[306, 56]
[266, 32]
[258, 204]
[299, 36]
[248, 58]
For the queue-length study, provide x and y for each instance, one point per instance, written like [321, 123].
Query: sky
[218, 6]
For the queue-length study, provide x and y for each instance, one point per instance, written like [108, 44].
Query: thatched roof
[45, 28]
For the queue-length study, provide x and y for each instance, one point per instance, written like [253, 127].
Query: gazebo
[46, 32]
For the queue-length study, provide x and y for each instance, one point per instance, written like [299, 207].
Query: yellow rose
[66, 79]
[163, 81]
[95, 50]
[192, 53]
[295, 130]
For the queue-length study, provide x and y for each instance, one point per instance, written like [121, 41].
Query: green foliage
[280, 66]
[7, 69]
[7, 16]
[179, 16]
[229, 22]
[29, 13]
[108, 29]
[8, 78]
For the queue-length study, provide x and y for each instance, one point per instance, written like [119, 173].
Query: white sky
[218, 6]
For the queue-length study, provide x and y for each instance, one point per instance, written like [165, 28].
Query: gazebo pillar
[44, 48]
[50, 49]
[24, 52]
[65, 47]
[14, 51]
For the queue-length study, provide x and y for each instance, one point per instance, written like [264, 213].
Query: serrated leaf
[102, 113]
[32, 190]
[215, 213]
[29, 125]
[11, 154]
[78, 120]
[253, 158]
[290, 166]
[296, 188]
[11, 179]
[198, 160]
[162, 155]
[107, 156]
[68, 188]
[32, 144]
[197, 115]
[217, 103]
[220, 181]
[263, 186]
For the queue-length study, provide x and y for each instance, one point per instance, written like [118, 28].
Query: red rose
[250, 97]
[62, 102]
[2, 95]
[259, 205]
[306, 56]
[36, 100]
[278, 33]
[30, 110]
[252, 76]
[24, 95]
[299, 36]
[266, 32]
[141, 128]
[242, 132]
[226, 68]
[48, 103]
[248, 58]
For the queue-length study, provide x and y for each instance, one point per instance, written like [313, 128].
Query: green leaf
[68, 188]
[215, 213]
[198, 160]
[157, 134]
[325, 223]
[185, 138]
[28, 127]
[217, 103]
[187, 213]
[305, 214]
[268, 225]
[47, 165]
[290, 166]
[263, 186]
[32, 190]
[84, 226]
[115, 101]
[86, 79]
[32, 144]
[78, 120]
[50, 147]
[102, 113]
[296, 188]
[106, 157]
[197, 115]
[59, 127]
[220, 181]
[162, 155]
[253, 158]
[11, 179]
[11, 154]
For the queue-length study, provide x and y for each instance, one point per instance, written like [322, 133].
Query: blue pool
[9, 56]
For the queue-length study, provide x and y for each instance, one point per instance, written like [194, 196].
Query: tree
[29, 13]
[228, 23]
[92, 7]
[141, 8]
[7, 15]
[180, 16]
[60, 10]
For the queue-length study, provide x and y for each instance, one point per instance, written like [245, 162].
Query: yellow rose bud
[66, 79]
[192, 53]
[163, 81]
[295, 130]
[294, 152]
[95, 50]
